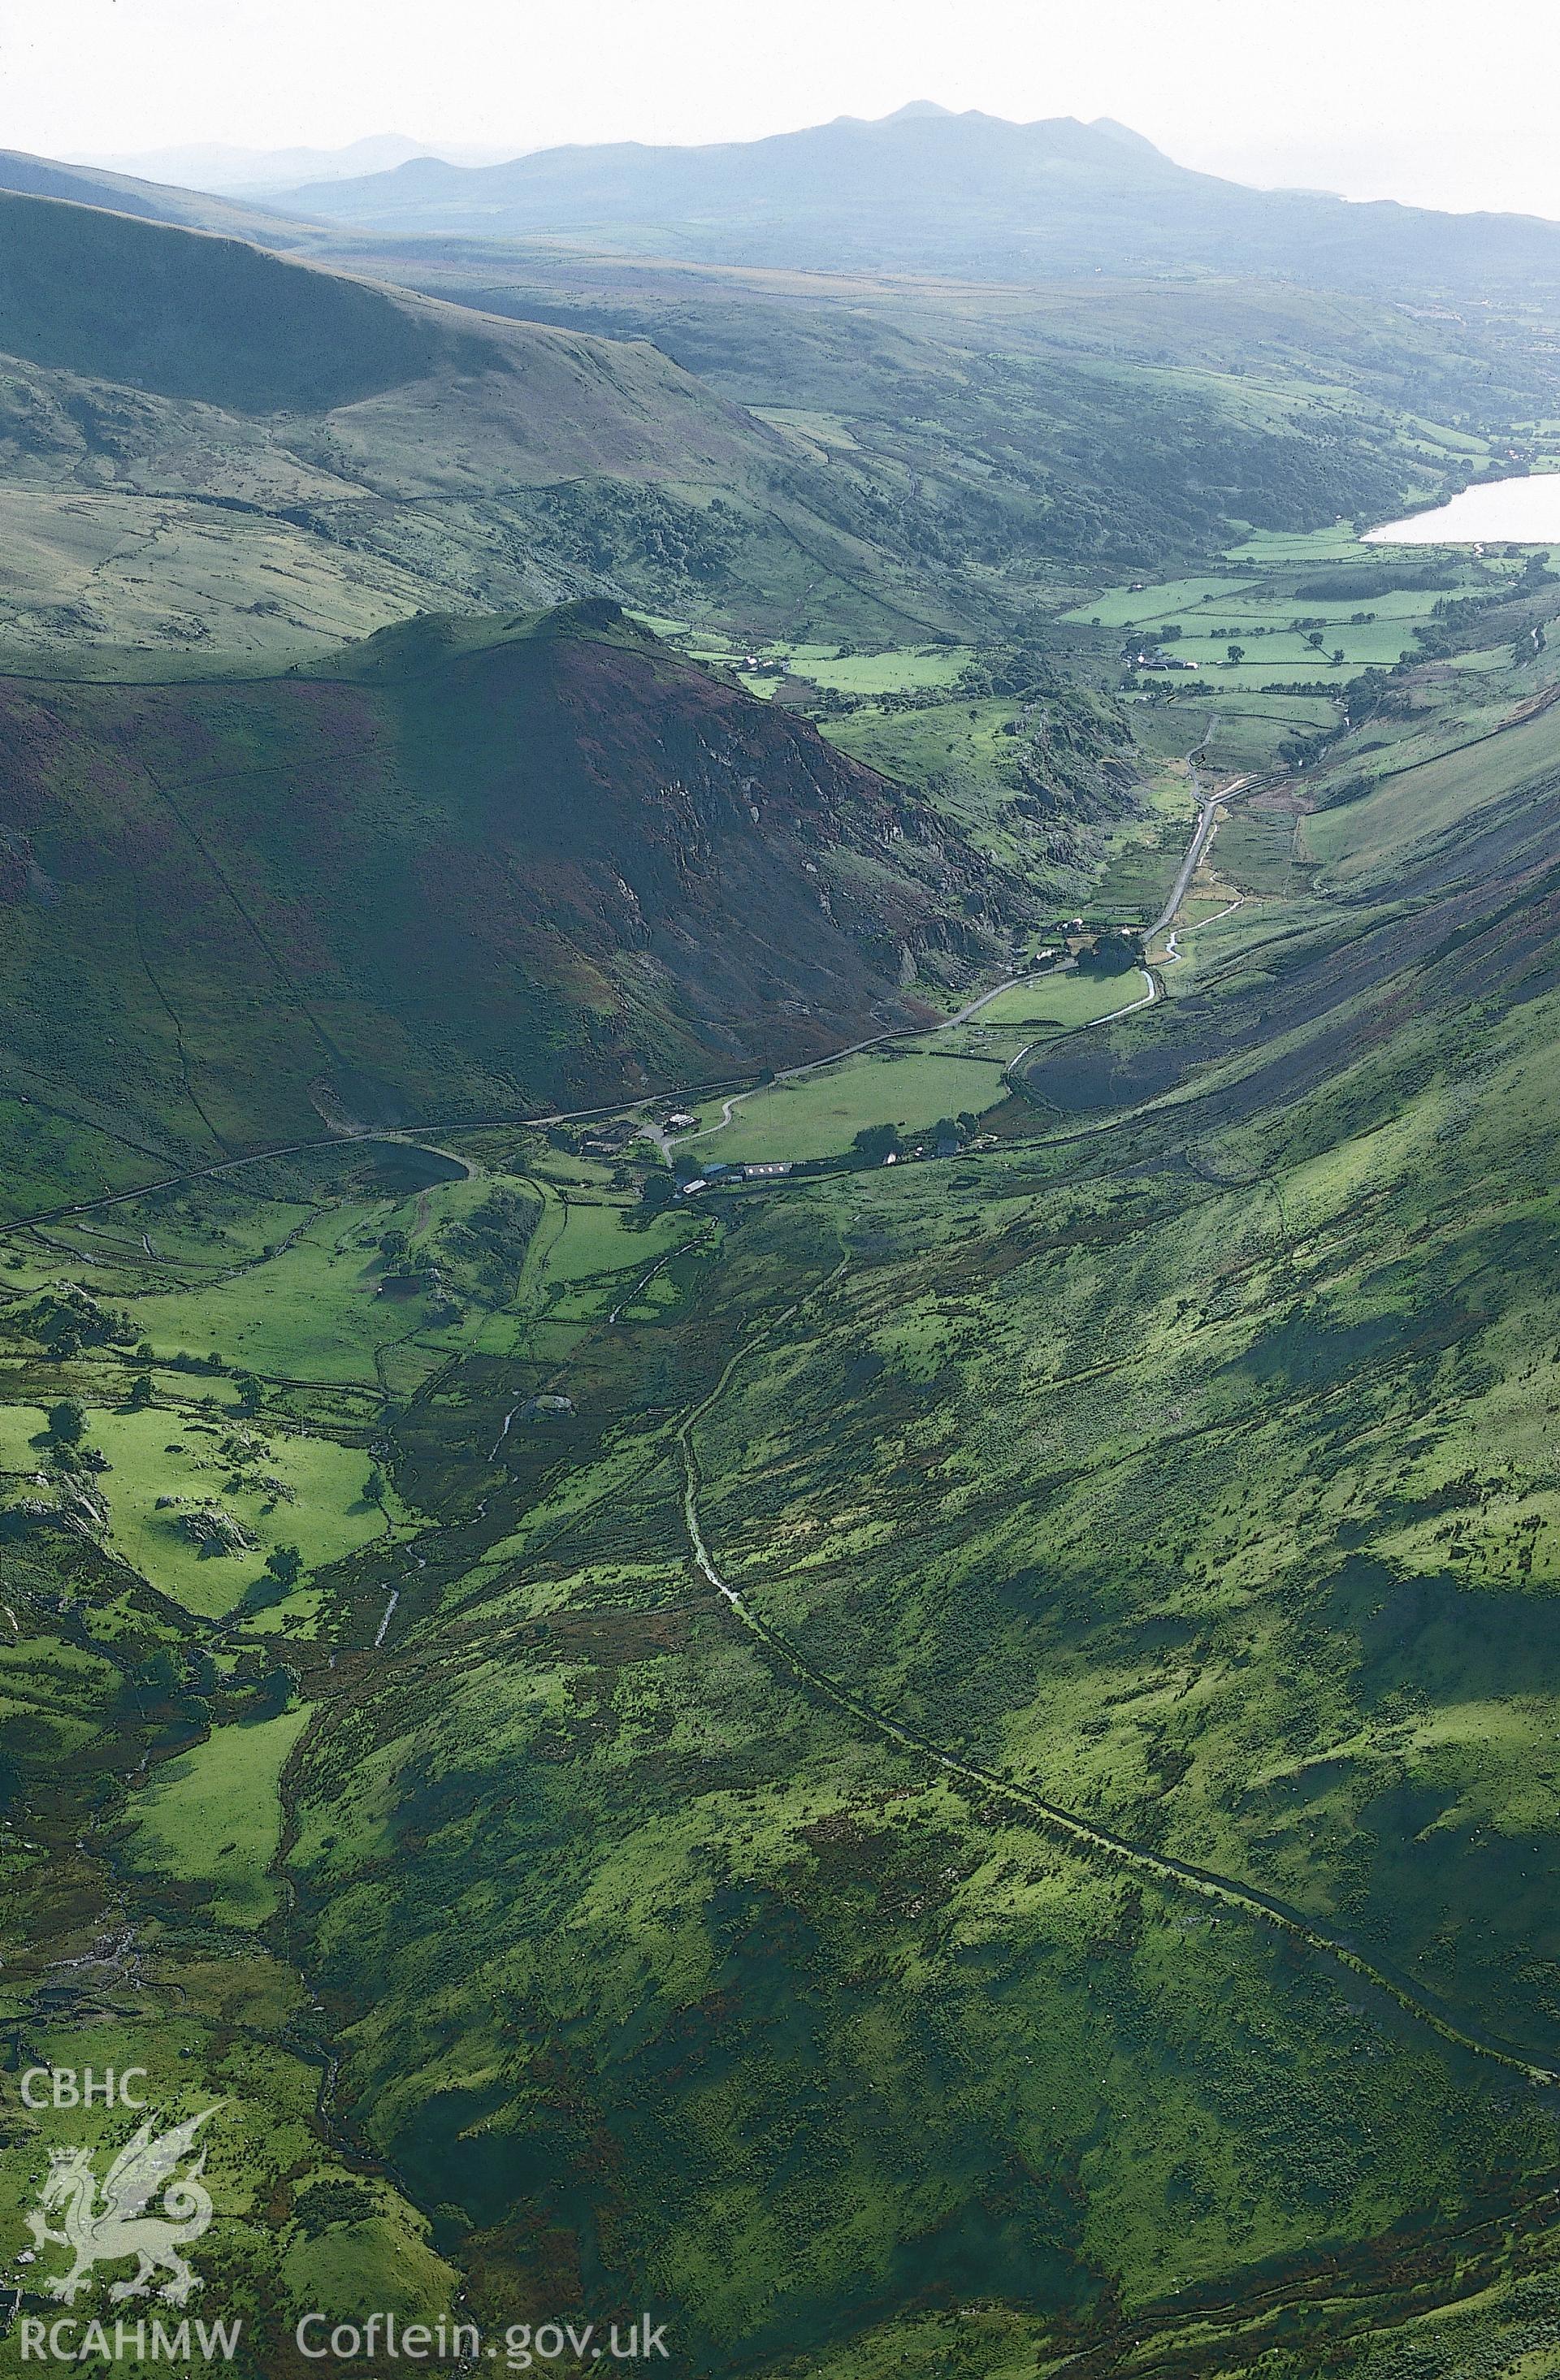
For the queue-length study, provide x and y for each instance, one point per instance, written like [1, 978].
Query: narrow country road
[1202, 833]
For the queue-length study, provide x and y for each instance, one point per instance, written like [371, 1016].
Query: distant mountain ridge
[925, 191]
[237, 172]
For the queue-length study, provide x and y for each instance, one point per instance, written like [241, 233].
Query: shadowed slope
[459, 877]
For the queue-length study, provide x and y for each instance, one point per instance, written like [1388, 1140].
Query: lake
[1502, 512]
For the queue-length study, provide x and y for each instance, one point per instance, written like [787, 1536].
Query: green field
[1296, 590]
[315, 1312]
[821, 1114]
[893, 671]
[291, 1490]
[1061, 1001]
[1173, 599]
[214, 1818]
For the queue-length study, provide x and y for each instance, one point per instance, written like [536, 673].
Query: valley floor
[1001, 1702]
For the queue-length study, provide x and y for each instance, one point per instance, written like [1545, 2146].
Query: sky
[1407, 99]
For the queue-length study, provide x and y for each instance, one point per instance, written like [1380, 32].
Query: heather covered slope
[465, 871]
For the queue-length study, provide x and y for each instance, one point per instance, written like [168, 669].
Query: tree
[67, 1420]
[1315, 640]
[141, 1392]
[373, 1487]
[1338, 658]
[876, 1142]
[1237, 655]
[286, 1565]
[274, 1693]
[249, 1394]
[152, 1680]
[968, 1125]
[1113, 952]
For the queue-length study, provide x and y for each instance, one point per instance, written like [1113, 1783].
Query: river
[1501, 512]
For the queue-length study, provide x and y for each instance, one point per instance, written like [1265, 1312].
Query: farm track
[1082, 1835]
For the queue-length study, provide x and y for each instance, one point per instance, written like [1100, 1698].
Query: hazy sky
[1413, 99]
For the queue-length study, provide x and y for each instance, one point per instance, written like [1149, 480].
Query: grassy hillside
[113, 297]
[126, 194]
[188, 386]
[1020, 439]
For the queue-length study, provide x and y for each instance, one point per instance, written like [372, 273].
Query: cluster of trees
[629, 533]
[1389, 578]
[876, 1143]
[1116, 951]
[67, 1318]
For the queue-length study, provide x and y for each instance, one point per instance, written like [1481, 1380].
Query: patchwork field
[1304, 611]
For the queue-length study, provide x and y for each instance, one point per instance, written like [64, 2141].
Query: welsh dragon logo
[121, 2227]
